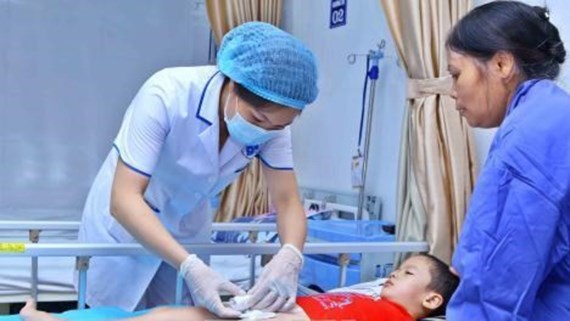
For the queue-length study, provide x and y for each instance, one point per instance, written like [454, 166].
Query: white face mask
[245, 132]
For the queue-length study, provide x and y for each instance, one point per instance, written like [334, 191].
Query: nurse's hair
[251, 98]
[442, 282]
[514, 27]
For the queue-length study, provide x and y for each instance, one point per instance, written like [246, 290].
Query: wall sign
[338, 13]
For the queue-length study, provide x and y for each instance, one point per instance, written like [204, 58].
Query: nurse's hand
[276, 289]
[205, 285]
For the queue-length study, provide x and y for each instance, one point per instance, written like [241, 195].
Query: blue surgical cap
[270, 63]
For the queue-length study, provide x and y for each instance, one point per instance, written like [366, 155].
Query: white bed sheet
[236, 268]
[55, 279]
[55, 274]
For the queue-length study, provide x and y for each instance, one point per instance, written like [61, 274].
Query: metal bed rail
[34, 229]
[83, 252]
[133, 249]
[74, 226]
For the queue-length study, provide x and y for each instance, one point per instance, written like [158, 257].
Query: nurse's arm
[129, 208]
[284, 194]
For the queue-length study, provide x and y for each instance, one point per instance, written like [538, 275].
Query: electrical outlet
[373, 205]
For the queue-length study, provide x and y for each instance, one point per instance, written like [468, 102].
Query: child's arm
[30, 313]
[176, 314]
[201, 314]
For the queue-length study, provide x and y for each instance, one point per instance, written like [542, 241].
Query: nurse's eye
[257, 117]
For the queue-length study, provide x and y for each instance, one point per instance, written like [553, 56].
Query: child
[419, 288]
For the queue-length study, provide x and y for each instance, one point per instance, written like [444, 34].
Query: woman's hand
[205, 285]
[276, 289]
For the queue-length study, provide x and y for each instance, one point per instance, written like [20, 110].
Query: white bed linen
[55, 274]
[55, 279]
[236, 268]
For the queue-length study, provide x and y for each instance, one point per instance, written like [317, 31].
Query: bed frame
[83, 252]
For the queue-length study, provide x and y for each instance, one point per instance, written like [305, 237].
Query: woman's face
[481, 90]
[269, 116]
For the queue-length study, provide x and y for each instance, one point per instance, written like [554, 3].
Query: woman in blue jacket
[513, 255]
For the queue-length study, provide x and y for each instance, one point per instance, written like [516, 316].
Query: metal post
[82, 265]
[179, 285]
[252, 239]
[366, 149]
[374, 56]
[34, 236]
[343, 261]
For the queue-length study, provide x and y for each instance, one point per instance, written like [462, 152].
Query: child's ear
[432, 301]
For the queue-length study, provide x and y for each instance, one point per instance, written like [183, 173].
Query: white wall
[325, 137]
[559, 16]
[68, 70]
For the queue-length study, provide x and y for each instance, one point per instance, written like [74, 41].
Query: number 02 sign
[338, 13]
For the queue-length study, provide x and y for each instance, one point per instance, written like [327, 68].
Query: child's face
[408, 285]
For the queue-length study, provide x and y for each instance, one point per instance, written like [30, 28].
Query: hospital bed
[82, 252]
[53, 280]
[45, 269]
[50, 278]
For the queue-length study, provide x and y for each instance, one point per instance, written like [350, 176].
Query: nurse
[513, 255]
[187, 134]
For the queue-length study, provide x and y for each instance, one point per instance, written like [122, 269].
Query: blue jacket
[513, 254]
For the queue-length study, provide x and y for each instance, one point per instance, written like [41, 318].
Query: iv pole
[373, 57]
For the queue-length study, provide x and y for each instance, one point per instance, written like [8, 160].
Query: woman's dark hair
[522, 30]
[251, 98]
[442, 282]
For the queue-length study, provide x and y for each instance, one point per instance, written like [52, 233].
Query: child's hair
[442, 282]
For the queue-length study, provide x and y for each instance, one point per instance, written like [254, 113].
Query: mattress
[55, 274]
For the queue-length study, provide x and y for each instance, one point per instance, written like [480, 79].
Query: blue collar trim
[202, 99]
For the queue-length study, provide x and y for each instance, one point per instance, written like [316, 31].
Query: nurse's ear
[504, 65]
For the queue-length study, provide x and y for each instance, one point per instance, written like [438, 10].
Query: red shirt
[351, 306]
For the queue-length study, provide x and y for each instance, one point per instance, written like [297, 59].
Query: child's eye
[409, 273]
